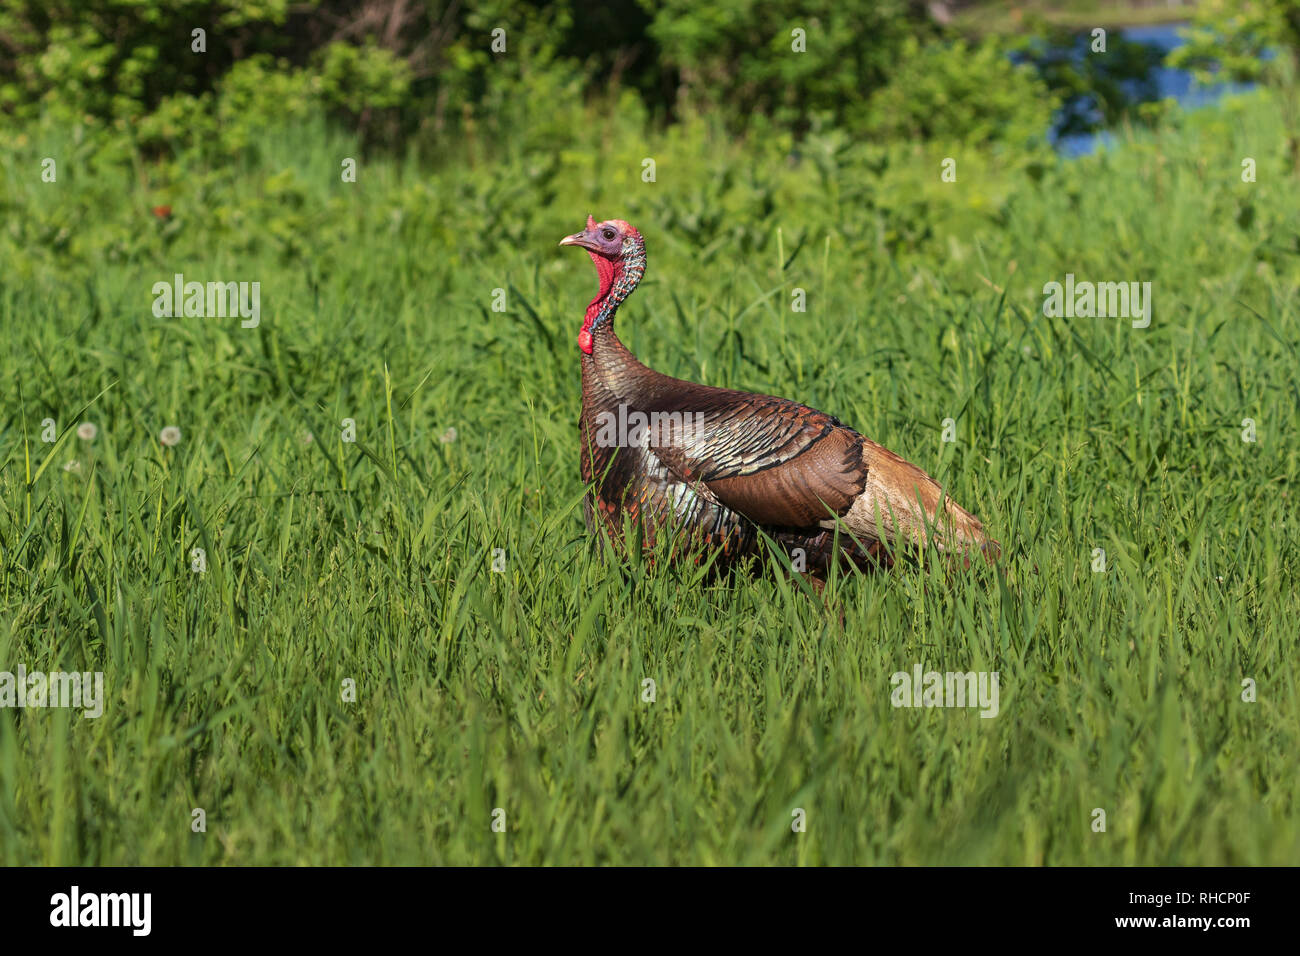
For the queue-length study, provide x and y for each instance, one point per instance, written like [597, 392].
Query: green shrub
[739, 55]
[118, 59]
[972, 95]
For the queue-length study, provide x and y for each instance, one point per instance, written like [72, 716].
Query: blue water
[1176, 84]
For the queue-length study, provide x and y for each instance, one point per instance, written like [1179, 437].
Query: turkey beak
[583, 239]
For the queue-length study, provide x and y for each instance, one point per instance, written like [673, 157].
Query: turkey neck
[609, 370]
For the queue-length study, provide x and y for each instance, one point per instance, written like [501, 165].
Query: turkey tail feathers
[901, 504]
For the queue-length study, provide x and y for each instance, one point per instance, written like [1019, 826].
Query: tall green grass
[523, 690]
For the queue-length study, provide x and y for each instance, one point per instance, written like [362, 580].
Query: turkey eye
[609, 235]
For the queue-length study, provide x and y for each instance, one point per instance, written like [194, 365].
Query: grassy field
[371, 561]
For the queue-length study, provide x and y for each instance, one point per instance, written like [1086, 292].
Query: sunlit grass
[522, 690]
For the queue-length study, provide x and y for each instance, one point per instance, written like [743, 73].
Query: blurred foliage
[856, 136]
[1251, 40]
[973, 95]
[519, 78]
[107, 59]
[423, 73]
[151, 67]
[1093, 91]
[266, 196]
[1229, 40]
[796, 62]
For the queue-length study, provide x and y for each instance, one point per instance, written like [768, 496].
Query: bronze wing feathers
[774, 461]
[785, 465]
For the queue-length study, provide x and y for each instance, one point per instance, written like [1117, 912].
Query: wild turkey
[715, 467]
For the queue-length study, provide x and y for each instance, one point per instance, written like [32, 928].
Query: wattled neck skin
[618, 278]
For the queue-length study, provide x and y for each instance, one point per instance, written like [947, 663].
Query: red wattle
[608, 272]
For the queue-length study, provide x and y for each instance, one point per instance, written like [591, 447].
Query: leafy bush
[739, 54]
[428, 79]
[1229, 39]
[973, 95]
[111, 59]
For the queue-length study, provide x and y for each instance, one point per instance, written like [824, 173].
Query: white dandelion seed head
[169, 436]
[87, 431]
[448, 436]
